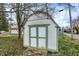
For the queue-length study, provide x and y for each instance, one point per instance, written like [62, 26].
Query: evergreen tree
[3, 19]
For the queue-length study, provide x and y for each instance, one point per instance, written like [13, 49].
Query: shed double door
[38, 36]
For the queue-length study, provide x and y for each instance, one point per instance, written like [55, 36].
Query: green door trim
[39, 25]
[30, 36]
[37, 32]
[46, 37]
[37, 36]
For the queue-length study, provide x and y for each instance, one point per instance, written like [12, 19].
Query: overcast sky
[62, 18]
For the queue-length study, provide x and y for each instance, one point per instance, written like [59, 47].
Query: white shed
[40, 31]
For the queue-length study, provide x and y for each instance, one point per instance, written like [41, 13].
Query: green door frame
[37, 37]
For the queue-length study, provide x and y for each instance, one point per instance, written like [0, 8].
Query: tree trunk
[18, 17]
[18, 22]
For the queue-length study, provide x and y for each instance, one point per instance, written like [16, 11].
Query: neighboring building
[13, 28]
[40, 31]
[67, 29]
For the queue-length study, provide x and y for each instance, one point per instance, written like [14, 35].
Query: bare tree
[24, 11]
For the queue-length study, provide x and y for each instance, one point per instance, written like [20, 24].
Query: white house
[40, 31]
[14, 28]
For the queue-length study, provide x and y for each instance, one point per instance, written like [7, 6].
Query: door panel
[41, 37]
[41, 32]
[33, 32]
[41, 43]
[33, 42]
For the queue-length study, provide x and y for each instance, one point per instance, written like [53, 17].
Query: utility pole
[71, 25]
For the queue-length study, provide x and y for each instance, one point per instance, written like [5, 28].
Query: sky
[61, 18]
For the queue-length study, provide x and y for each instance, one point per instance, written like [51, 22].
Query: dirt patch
[35, 52]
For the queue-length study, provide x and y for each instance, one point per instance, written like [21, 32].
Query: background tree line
[3, 20]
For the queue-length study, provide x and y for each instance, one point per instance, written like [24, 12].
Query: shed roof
[38, 12]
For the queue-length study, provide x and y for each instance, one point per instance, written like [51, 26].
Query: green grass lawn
[9, 46]
[67, 47]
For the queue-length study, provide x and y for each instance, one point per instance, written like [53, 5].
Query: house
[13, 28]
[40, 31]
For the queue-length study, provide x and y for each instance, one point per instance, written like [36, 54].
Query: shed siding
[52, 34]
